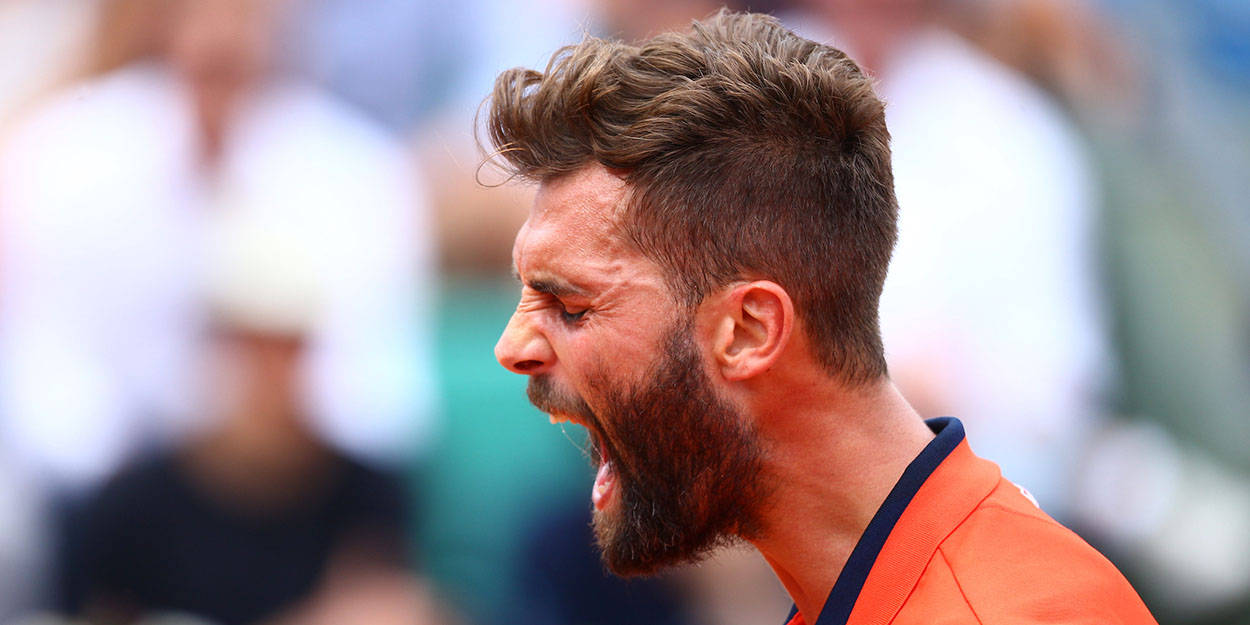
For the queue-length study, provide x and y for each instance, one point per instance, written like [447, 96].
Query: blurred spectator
[106, 190]
[1032, 218]
[563, 580]
[989, 311]
[382, 56]
[43, 35]
[254, 519]
[400, 61]
[1170, 131]
[1175, 160]
[1063, 46]
[1162, 99]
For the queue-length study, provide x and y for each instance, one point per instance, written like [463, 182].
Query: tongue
[604, 483]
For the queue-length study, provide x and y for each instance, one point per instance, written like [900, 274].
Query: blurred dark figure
[254, 518]
[242, 522]
[563, 581]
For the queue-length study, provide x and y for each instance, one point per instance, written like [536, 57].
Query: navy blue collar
[950, 432]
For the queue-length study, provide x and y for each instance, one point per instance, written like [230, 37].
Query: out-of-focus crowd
[252, 268]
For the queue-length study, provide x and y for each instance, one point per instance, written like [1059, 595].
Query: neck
[256, 465]
[833, 469]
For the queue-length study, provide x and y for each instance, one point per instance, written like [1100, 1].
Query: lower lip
[605, 485]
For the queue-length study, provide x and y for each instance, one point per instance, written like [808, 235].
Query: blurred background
[250, 286]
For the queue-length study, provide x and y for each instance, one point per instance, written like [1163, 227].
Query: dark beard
[688, 466]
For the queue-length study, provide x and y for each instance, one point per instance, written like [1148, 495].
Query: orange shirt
[955, 542]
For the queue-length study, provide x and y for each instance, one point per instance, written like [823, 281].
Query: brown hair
[749, 152]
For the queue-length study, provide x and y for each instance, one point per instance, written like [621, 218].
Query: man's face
[606, 347]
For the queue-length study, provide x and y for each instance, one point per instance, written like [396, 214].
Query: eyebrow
[556, 287]
[551, 285]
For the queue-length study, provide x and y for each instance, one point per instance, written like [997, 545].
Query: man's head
[701, 195]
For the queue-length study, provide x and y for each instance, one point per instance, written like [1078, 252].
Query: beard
[688, 465]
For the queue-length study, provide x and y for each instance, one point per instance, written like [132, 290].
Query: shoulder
[77, 133]
[1011, 563]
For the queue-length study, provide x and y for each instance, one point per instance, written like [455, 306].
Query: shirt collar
[938, 490]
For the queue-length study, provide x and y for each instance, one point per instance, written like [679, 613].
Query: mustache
[545, 396]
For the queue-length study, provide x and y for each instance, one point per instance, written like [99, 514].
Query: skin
[261, 452]
[832, 453]
[222, 49]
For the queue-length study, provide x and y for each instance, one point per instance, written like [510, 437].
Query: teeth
[558, 419]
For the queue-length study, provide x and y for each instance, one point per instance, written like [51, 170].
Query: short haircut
[748, 152]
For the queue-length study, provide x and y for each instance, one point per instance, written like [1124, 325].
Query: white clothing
[991, 291]
[105, 223]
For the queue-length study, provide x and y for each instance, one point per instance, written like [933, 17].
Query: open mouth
[605, 478]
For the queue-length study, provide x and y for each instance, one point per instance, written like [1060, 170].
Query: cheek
[596, 369]
[634, 340]
[578, 362]
[616, 346]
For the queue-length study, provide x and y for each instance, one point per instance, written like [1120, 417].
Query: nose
[523, 349]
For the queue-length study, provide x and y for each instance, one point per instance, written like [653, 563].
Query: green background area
[497, 462]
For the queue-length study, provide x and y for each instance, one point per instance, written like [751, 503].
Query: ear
[751, 325]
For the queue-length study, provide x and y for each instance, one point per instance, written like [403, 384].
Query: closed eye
[572, 317]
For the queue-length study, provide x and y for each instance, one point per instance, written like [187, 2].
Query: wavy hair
[749, 152]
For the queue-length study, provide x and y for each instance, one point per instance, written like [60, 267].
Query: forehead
[574, 218]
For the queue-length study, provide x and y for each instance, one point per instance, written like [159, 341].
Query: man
[701, 270]
[255, 516]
